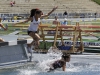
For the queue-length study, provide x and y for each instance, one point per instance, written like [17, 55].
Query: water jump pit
[80, 64]
[84, 64]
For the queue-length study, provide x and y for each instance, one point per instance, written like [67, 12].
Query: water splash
[79, 65]
[72, 68]
[54, 52]
[52, 55]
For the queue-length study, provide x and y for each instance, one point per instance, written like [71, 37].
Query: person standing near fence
[64, 22]
[95, 14]
[56, 22]
[65, 14]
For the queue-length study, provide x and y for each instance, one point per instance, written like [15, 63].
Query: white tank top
[34, 25]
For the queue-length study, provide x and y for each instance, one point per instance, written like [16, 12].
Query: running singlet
[58, 64]
[34, 25]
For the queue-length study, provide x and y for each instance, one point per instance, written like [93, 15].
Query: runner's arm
[64, 67]
[49, 12]
[1, 25]
[27, 20]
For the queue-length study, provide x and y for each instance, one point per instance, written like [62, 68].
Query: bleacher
[72, 6]
[46, 5]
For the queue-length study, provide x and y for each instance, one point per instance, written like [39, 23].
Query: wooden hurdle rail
[59, 29]
[77, 29]
[59, 34]
[20, 26]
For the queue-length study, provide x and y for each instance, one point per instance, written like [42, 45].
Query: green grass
[5, 32]
[90, 40]
[97, 1]
[12, 29]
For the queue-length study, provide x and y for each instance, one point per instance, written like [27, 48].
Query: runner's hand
[55, 7]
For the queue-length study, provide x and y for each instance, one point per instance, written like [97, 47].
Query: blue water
[31, 71]
[79, 65]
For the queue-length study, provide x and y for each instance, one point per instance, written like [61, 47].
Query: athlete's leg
[35, 37]
[1, 40]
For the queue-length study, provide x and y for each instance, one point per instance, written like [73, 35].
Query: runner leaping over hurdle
[35, 15]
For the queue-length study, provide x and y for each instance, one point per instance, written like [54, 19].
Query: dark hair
[65, 56]
[32, 12]
[38, 12]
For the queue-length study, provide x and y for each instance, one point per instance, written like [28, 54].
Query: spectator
[65, 22]
[65, 14]
[95, 14]
[4, 18]
[56, 22]
[11, 3]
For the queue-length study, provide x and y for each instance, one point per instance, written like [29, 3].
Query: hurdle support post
[81, 48]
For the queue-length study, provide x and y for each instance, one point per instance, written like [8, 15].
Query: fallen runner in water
[60, 63]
